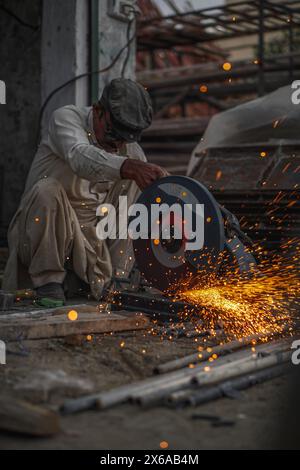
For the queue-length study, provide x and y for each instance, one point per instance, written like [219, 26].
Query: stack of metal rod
[200, 377]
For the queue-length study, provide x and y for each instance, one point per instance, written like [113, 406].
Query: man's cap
[129, 105]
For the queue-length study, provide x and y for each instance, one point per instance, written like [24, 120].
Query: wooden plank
[30, 312]
[57, 326]
[23, 417]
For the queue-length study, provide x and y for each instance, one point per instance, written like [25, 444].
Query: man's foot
[52, 291]
[75, 287]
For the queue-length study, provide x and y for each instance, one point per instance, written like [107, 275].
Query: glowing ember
[218, 175]
[163, 444]
[227, 66]
[72, 315]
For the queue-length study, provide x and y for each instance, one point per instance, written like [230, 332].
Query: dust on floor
[106, 361]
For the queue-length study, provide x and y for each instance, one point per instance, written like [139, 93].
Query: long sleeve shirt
[70, 153]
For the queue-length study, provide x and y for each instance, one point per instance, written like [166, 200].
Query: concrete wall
[20, 69]
[35, 62]
[65, 53]
[66, 49]
[112, 36]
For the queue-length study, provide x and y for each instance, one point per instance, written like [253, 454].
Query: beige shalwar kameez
[69, 178]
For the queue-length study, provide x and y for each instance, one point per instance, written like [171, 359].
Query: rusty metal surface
[249, 168]
[262, 191]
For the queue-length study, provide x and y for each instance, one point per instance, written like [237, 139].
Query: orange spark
[218, 175]
[265, 303]
[227, 66]
[72, 315]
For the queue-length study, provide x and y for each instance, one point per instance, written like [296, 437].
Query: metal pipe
[154, 394]
[197, 397]
[78, 404]
[149, 388]
[245, 367]
[204, 355]
[121, 394]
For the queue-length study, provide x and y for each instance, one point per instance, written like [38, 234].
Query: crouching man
[89, 156]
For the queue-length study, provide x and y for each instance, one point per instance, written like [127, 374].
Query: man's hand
[141, 172]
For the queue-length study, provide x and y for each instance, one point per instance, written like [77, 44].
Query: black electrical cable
[77, 77]
[128, 49]
[136, 13]
[18, 19]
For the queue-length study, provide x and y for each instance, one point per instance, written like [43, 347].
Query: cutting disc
[168, 250]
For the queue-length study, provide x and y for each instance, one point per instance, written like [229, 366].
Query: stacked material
[200, 381]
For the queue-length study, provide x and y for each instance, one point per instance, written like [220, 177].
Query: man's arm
[142, 173]
[68, 139]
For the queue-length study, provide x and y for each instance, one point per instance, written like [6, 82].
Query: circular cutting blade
[182, 233]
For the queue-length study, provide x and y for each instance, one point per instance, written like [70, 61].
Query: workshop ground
[250, 421]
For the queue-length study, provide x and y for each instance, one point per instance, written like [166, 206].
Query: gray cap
[129, 105]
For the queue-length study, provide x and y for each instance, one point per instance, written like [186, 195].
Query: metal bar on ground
[207, 373]
[107, 399]
[194, 397]
[204, 355]
[234, 370]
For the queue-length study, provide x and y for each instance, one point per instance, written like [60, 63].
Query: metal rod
[158, 386]
[197, 397]
[115, 396]
[121, 394]
[214, 375]
[205, 355]
[225, 8]
[243, 367]
[183, 378]
[196, 77]
[78, 404]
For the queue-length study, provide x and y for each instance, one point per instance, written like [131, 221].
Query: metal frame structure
[221, 23]
[214, 23]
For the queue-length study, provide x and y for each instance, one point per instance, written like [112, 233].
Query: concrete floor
[253, 421]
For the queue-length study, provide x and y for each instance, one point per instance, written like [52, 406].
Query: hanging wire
[18, 19]
[128, 48]
[77, 77]
[135, 12]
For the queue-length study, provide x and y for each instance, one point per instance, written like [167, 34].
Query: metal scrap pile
[199, 377]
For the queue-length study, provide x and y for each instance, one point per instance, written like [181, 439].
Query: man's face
[104, 131]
